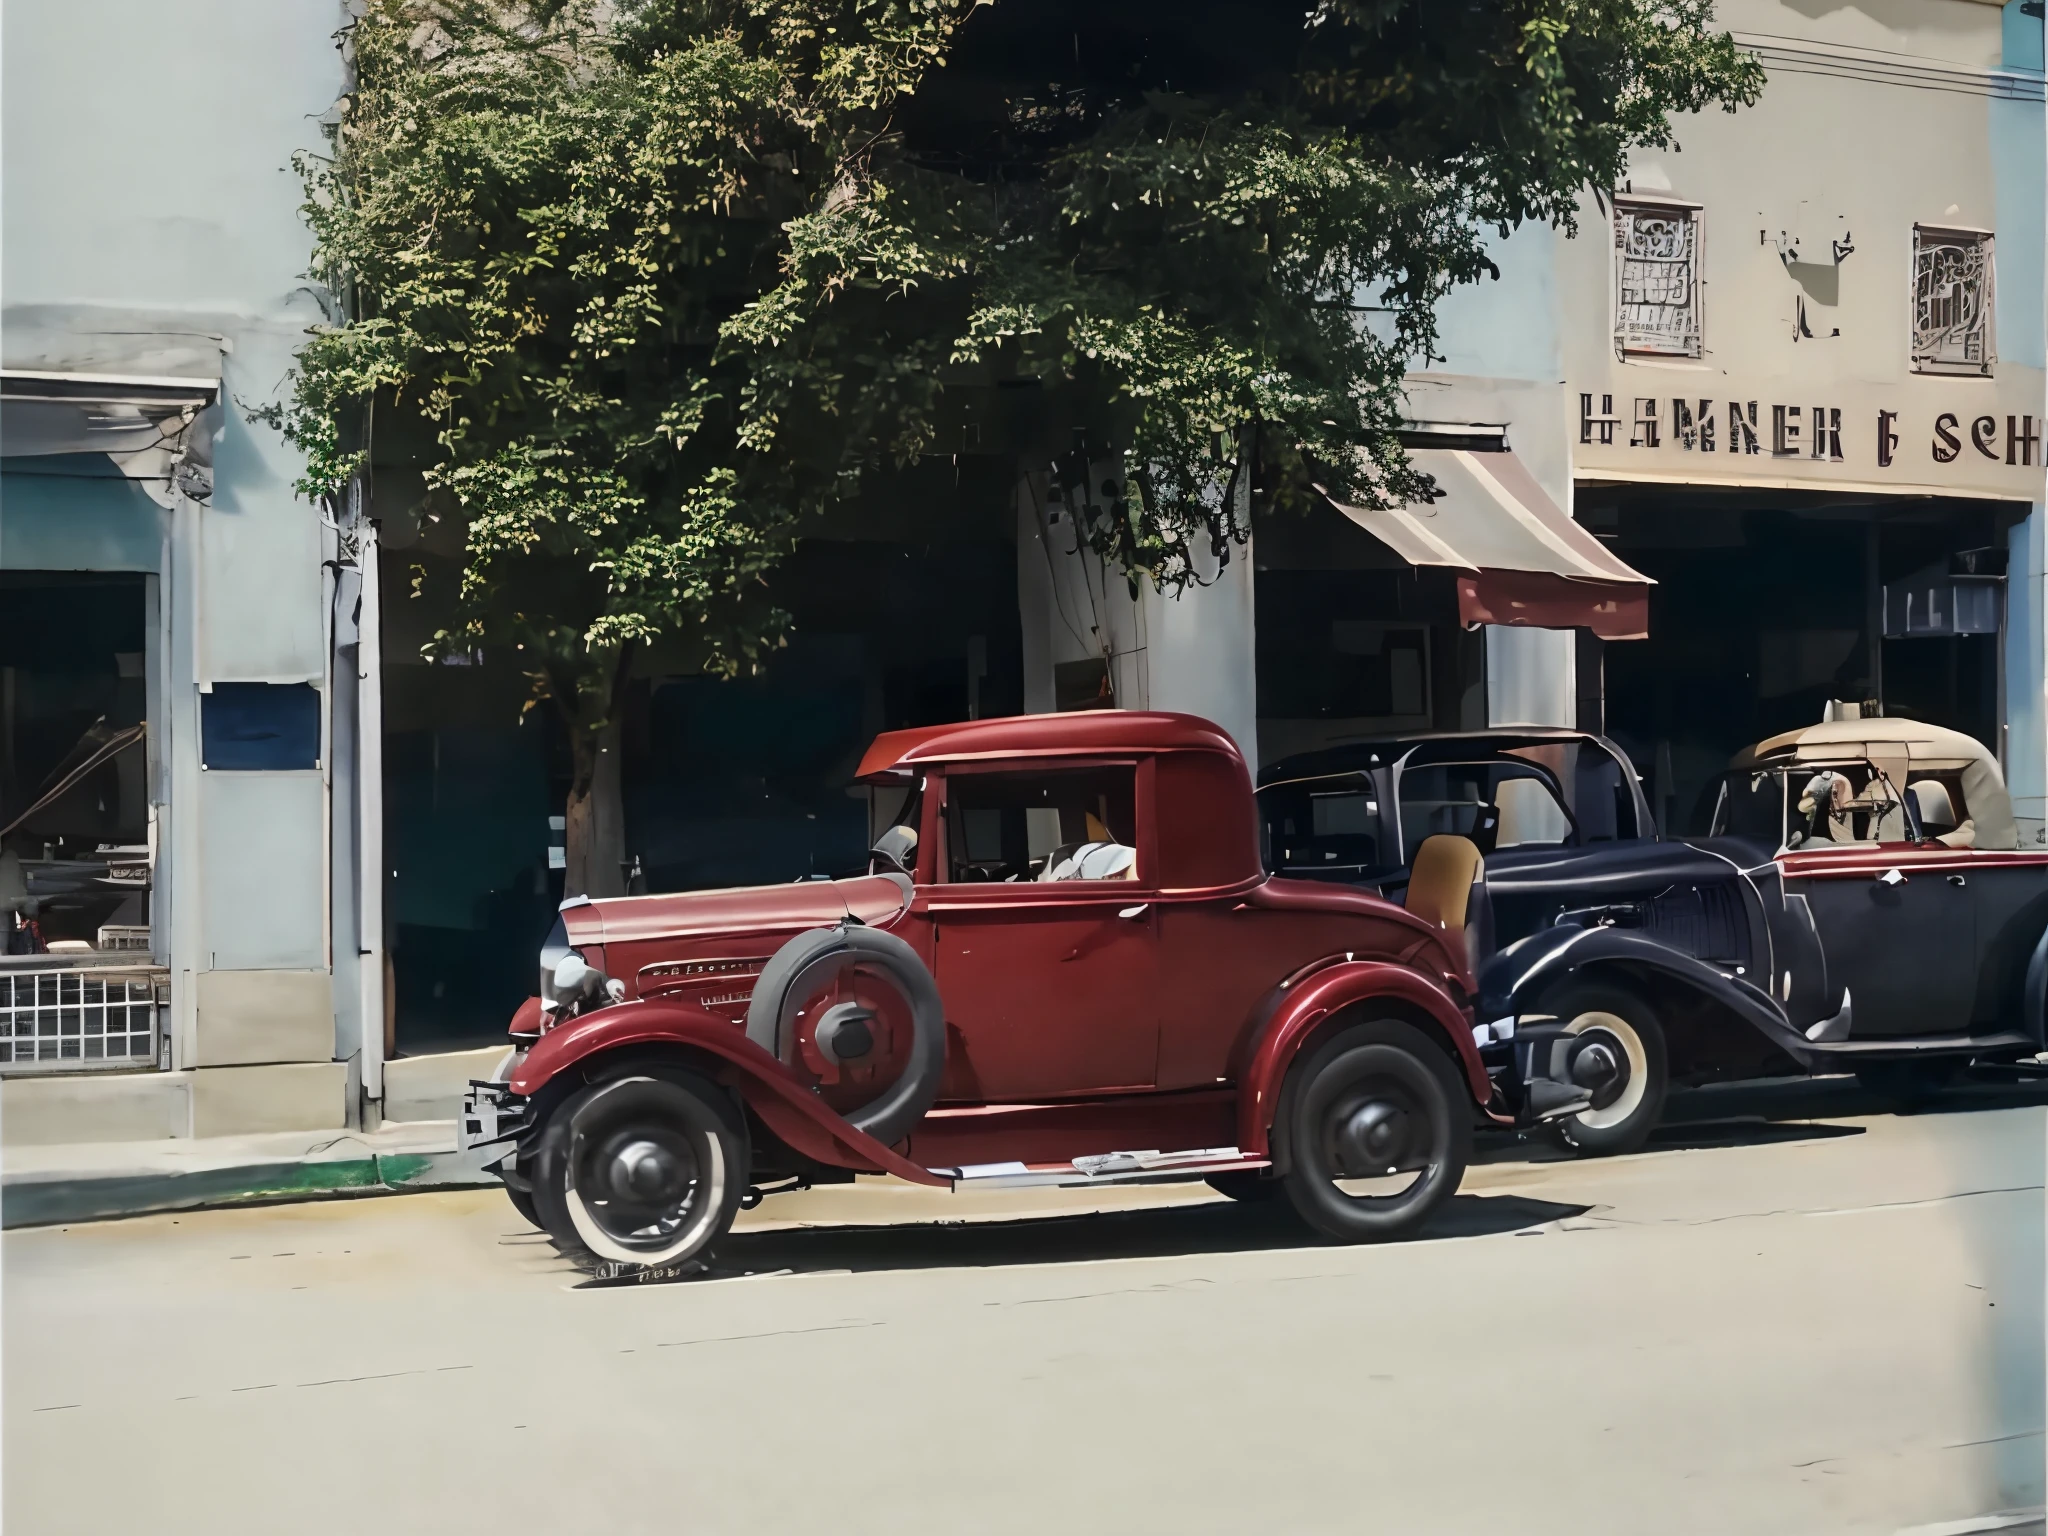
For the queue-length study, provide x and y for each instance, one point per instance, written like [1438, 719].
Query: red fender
[771, 1089]
[1312, 1000]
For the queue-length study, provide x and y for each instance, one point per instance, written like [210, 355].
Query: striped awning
[1521, 560]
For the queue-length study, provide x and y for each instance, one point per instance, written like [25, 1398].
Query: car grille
[1708, 922]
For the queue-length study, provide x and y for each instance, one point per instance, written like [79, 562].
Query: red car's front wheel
[642, 1170]
[1378, 1132]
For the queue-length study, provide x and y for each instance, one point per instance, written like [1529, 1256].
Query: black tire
[1910, 1084]
[1247, 1186]
[813, 957]
[1625, 1113]
[1374, 1091]
[522, 1202]
[641, 1170]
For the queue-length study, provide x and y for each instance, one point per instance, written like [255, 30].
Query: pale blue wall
[2019, 159]
[1506, 328]
[146, 183]
[147, 192]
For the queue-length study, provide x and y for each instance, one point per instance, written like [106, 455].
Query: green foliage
[667, 278]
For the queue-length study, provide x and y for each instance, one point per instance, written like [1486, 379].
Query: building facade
[179, 895]
[1789, 376]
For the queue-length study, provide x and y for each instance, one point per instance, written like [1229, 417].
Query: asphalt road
[1791, 1315]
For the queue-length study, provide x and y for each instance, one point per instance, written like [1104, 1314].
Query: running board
[2030, 1067]
[1929, 1045]
[1103, 1168]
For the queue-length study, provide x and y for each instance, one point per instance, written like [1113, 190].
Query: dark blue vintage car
[1861, 904]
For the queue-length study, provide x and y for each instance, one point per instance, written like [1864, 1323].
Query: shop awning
[1520, 559]
[154, 429]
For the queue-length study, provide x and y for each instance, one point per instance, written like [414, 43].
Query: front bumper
[492, 1116]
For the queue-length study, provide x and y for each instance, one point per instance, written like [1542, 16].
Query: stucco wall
[151, 216]
[1877, 116]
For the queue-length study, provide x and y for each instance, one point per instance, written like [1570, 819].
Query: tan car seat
[1449, 873]
[1529, 813]
[1938, 814]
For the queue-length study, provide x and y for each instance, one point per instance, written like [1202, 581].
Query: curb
[51, 1200]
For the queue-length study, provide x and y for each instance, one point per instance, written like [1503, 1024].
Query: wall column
[2026, 676]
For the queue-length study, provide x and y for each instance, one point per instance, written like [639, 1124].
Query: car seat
[1528, 813]
[1938, 814]
[1447, 888]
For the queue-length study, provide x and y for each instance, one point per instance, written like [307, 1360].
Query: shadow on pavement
[1798, 1098]
[1161, 1232]
[1771, 1111]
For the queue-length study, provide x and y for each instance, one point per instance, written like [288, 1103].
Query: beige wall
[1876, 117]
[247, 1018]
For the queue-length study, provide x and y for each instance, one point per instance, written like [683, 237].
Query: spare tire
[855, 1009]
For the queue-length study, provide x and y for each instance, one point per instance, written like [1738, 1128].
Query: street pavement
[1793, 1314]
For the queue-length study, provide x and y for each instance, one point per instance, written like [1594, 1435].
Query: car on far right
[1909, 927]
[1861, 903]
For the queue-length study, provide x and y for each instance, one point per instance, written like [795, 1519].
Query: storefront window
[75, 866]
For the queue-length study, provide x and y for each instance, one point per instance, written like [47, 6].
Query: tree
[668, 278]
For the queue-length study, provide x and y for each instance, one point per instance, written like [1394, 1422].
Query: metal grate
[1656, 255]
[77, 1018]
[1951, 301]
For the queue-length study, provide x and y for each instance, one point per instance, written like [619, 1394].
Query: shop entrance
[77, 984]
[1770, 604]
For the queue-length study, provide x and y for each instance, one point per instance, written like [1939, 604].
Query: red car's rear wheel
[1378, 1131]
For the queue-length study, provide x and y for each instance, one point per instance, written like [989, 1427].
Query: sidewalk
[45, 1185]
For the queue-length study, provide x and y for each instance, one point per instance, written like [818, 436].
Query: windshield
[1811, 806]
[892, 843]
[1751, 805]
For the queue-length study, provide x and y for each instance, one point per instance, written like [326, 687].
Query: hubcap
[646, 1173]
[1595, 1066]
[1609, 1061]
[1373, 1137]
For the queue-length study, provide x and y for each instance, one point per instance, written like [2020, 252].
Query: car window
[1497, 805]
[1055, 826]
[1814, 807]
[1943, 808]
[1751, 805]
[1601, 796]
[1328, 826]
[1844, 803]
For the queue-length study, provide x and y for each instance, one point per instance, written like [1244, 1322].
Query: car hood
[877, 900]
[1594, 870]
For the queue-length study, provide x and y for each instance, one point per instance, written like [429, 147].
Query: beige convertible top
[1925, 748]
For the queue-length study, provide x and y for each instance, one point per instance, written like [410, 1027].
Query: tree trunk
[596, 822]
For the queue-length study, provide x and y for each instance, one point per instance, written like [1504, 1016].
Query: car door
[1046, 958]
[2007, 886]
[1895, 918]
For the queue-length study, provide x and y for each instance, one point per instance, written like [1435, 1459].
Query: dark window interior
[1014, 826]
[1762, 614]
[74, 808]
[251, 726]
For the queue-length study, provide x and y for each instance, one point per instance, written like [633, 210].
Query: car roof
[1078, 733]
[1350, 754]
[1924, 744]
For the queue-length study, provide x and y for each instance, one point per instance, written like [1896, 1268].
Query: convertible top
[1925, 747]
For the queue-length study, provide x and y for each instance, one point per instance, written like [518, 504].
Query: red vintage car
[1066, 965]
